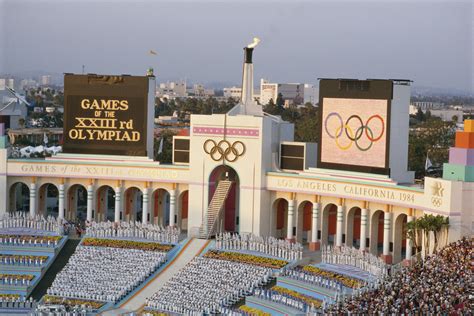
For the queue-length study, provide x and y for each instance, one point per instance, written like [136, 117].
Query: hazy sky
[429, 42]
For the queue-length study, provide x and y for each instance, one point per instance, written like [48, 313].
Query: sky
[430, 42]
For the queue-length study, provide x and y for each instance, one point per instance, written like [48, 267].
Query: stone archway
[353, 227]
[229, 221]
[160, 207]
[48, 200]
[105, 204]
[183, 204]
[303, 224]
[133, 204]
[399, 238]
[19, 197]
[376, 232]
[280, 218]
[329, 225]
[77, 203]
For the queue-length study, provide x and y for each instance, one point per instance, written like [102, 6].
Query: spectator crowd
[207, 285]
[105, 273]
[133, 230]
[441, 284]
[269, 246]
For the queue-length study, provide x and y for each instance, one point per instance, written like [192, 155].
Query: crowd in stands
[354, 257]
[441, 284]
[245, 310]
[16, 279]
[24, 220]
[23, 260]
[105, 273]
[207, 285]
[318, 280]
[29, 240]
[269, 246]
[295, 300]
[133, 230]
[13, 301]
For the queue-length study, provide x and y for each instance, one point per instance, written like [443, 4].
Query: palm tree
[441, 224]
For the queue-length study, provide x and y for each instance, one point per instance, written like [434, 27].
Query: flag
[428, 163]
[152, 52]
[160, 148]
[45, 138]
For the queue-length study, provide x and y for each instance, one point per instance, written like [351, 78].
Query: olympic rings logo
[354, 138]
[224, 150]
[436, 201]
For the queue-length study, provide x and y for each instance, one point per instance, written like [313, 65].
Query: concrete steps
[215, 208]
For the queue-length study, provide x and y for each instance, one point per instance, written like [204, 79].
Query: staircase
[208, 228]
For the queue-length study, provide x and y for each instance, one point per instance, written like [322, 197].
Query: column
[314, 245]
[61, 201]
[90, 200]
[145, 206]
[409, 246]
[172, 207]
[118, 201]
[387, 225]
[32, 199]
[291, 215]
[364, 214]
[339, 229]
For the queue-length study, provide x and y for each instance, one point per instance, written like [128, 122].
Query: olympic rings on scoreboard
[354, 138]
[224, 150]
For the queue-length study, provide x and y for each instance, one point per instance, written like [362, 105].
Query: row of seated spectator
[105, 273]
[208, 285]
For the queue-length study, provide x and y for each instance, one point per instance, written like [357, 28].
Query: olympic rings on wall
[224, 150]
[349, 132]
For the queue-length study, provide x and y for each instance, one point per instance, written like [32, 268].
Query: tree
[166, 155]
[420, 116]
[413, 233]
[307, 126]
[433, 136]
[425, 225]
[21, 122]
[280, 102]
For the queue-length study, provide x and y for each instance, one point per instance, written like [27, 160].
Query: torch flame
[256, 40]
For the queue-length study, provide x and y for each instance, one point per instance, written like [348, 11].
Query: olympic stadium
[245, 221]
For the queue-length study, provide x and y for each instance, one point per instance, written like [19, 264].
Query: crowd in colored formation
[269, 246]
[29, 240]
[105, 273]
[301, 302]
[207, 285]
[22, 260]
[246, 258]
[24, 220]
[356, 258]
[440, 284]
[126, 244]
[133, 230]
[16, 279]
[15, 301]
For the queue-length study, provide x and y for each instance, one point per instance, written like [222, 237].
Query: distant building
[46, 80]
[292, 93]
[426, 105]
[7, 82]
[26, 84]
[199, 90]
[233, 92]
[448, 115]
[172, 90]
